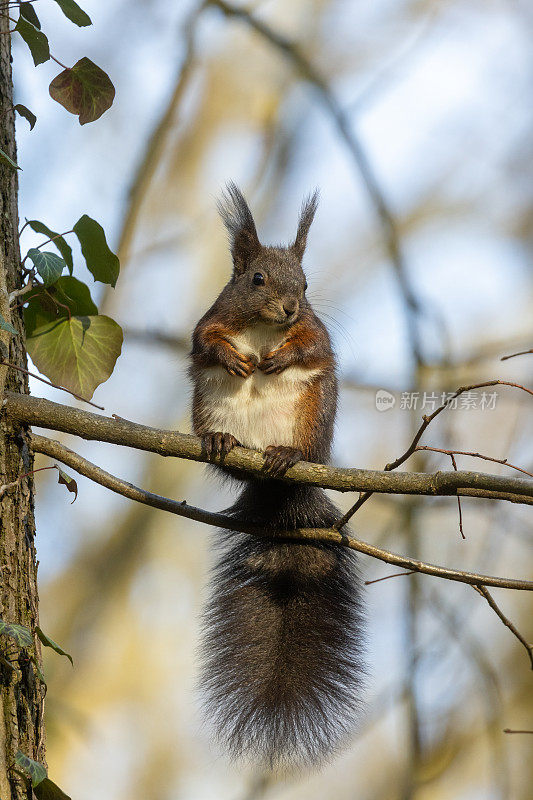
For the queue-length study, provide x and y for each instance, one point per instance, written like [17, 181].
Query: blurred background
[415, 120]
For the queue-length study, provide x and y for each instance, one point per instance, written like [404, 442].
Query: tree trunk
[22, 693]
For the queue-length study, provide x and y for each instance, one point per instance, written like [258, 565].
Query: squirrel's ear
[307, 214]
[240, 224]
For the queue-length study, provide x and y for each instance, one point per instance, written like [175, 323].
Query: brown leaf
[84, 90]
[67, 481]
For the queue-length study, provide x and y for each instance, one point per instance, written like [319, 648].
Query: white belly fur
[259, 410]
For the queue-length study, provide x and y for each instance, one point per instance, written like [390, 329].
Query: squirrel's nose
[290, 306]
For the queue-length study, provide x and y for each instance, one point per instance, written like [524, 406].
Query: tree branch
[426, 421]
[514, 355]
[328, 535]
[484, 592]
[54, 416]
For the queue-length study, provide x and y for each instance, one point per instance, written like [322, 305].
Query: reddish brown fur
[282, 638]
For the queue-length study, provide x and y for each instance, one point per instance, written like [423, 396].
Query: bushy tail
[282, 633]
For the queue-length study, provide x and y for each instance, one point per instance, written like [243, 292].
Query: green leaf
[28, 12]
[35, 39]
[68, 296]
[84, 90]
[5, 159]
[70, 483]
[48, 265]
[27, 114]
[48, 790]
[77, 353]
[7, 326]
[74, 13]
[37, 772]
[19, 633]
[101, 262]
[50, 642]
[38, 670]
[58, 240]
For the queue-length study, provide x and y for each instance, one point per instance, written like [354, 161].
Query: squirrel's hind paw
[278, 459]
[218, 444]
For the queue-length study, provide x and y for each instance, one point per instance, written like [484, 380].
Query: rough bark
[22, 694]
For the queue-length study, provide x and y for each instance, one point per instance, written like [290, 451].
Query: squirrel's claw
[239, 364]
[278, 459]
[218, 444]
[275, 361]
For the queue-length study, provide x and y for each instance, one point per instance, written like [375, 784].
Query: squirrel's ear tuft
[307, 215]
[240, 224]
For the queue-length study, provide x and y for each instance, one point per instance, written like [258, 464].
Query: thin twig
[511, 730]
[475, 455]
[514, 355]
[426, 421]
[49, 383]
[394, 575]
[5, 486]
[454, 465]
[484, 592]
[51, 239]
[81, 465]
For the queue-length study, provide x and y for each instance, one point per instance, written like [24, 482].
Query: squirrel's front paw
[278, 459]
[218, 444]
[238, 364]
[275, 361]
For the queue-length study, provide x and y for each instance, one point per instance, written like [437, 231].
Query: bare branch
[386, 577]
[490, 600]
[514, 355]
[329, 535]
[510, 730]
[49, 383]
[426, 421]
[46, 414]
[475, 455]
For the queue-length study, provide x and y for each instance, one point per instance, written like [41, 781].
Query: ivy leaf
[67, 297]
[35, 39]
[19, 633]
[4, 159]
[48, 790]
[84, 90]
[7, 326]
[101, 261]
[74, 13]
[78, 353]
[28, 12]
[38, 670]
[37, 772]
[27, 114]
[72, 486]
[58, 240]
[50, 642]
[48, 265]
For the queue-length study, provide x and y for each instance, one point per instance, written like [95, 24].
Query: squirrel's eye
[305, 287]
[258, 279]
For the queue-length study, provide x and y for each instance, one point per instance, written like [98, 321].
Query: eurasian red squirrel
[282, 642]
